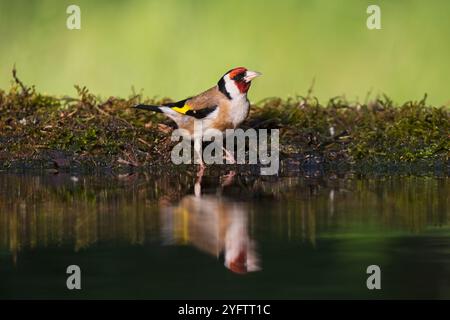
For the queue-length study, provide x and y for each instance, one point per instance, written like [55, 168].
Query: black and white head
[236, 82]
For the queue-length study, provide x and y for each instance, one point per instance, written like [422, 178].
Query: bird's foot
[201, 170]
[228, 179]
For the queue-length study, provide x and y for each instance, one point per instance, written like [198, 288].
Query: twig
[311, 89]
[145, 142]
[101, 111]
[129, 163]
[17, 80]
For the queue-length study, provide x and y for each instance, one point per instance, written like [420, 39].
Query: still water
[171, 235]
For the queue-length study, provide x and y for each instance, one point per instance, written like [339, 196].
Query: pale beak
[250, 75]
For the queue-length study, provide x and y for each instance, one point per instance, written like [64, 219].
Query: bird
[221, 107]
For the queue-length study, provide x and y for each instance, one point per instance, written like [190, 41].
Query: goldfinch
[224, 106]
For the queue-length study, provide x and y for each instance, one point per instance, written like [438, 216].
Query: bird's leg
[198, 184]
[228, 156]
[201, 170]
[198, 151]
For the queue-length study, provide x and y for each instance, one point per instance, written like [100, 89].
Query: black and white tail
[149, 107]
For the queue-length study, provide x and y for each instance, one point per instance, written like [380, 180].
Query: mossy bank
[38, 130]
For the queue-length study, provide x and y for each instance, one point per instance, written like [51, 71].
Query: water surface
[162, 235]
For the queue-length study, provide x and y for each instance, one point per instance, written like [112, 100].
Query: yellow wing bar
[186, 109]
[182, 109]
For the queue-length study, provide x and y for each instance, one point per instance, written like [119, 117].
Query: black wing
[184, 108]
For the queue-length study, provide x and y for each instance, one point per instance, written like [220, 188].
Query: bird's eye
[239, 76]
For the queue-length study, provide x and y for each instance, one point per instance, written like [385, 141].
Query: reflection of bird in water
[214, 225]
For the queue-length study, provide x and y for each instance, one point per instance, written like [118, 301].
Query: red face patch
[237, 75]
[243, 86]
[236, 71]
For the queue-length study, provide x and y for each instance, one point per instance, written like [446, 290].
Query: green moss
[376, 132]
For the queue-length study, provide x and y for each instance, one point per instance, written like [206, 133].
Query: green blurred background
[179, 47]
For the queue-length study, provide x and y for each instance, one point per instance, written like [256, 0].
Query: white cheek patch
[231, 87]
